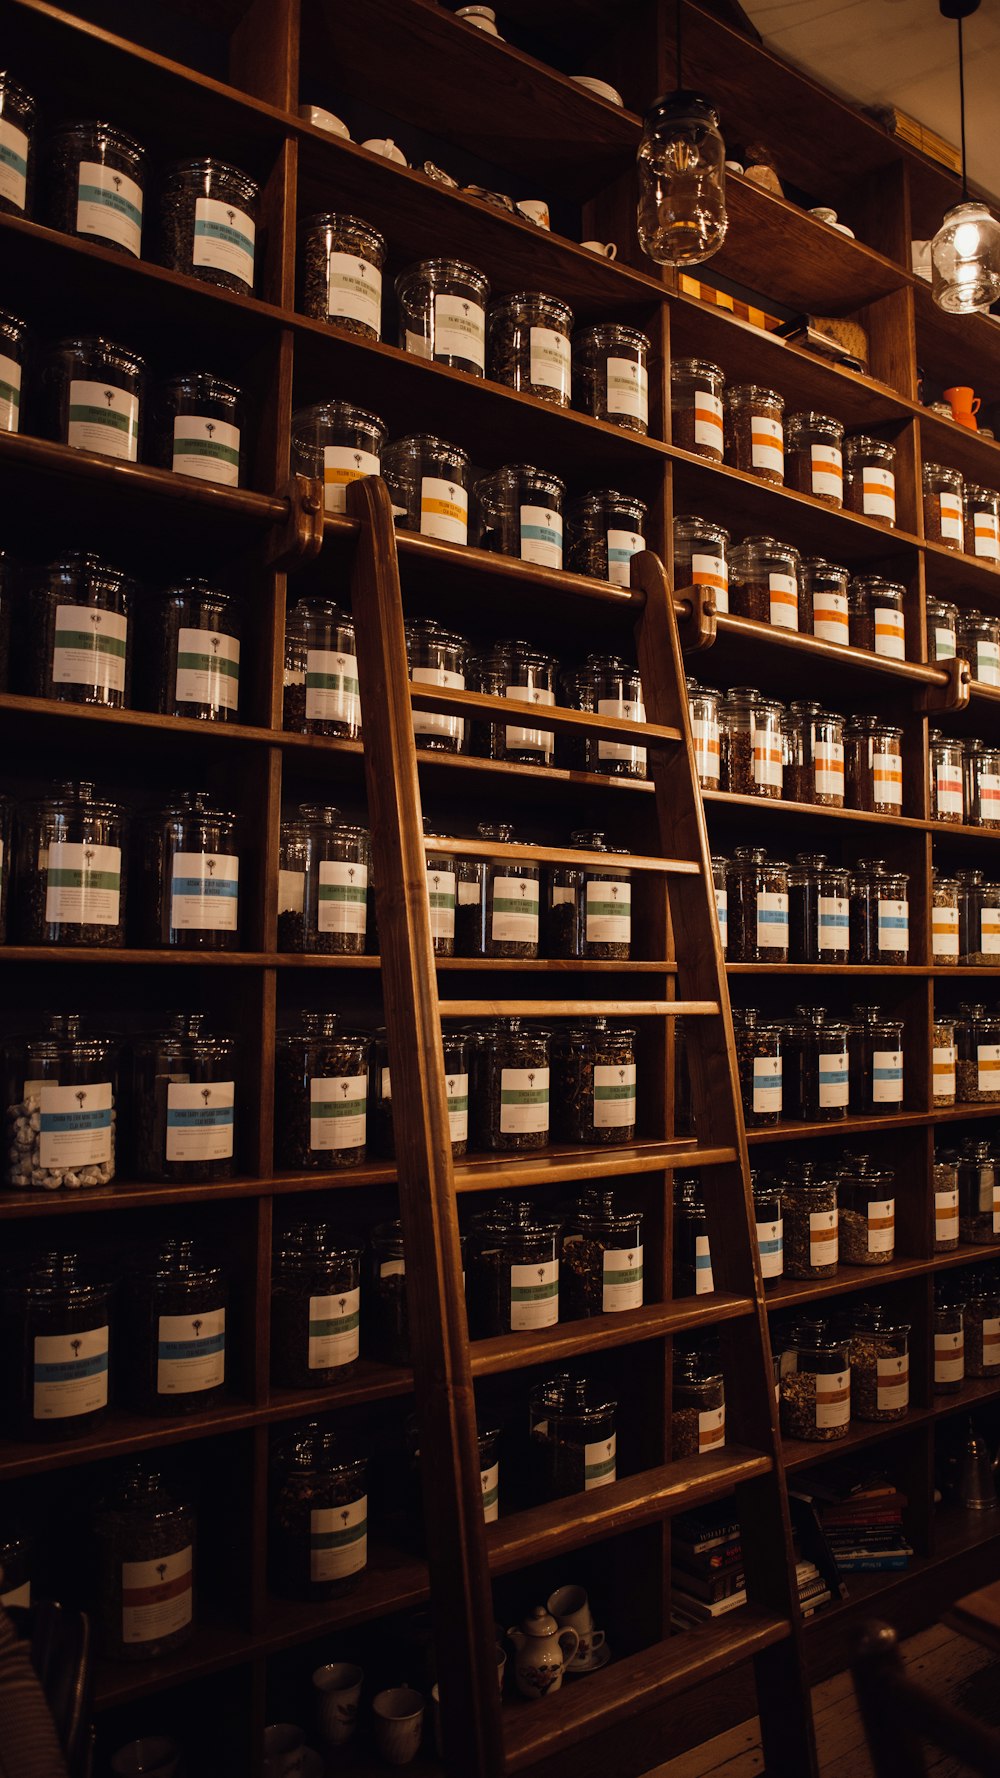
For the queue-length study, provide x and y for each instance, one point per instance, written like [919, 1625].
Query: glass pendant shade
[965, 260]
[682, 182]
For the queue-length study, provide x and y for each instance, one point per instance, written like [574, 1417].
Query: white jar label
[833, 1398]
[10, 392]
[989, 795]
[418, 345]
[944, 930]
[943, 1065]
[628, 389]
[949, 1357]
[989, 931]
[767, 1083]
[767, 450]
[441, 901]
[834, 922]
[457, 1090]
[157, 1597]
[208, 669]
[833, 1078]
[200, 1120]
[471, 894]
[534, 1295]
[76, 1125]
[946, 1215]
[722, 911]
[706, 749]
[828, 768]
[712, 571]
[771, 1247]
[892, 1383]
[881, 1225]
[291, 891]
[436, 722]
[354, 291]
[988, 663]
[13, 164]
[530, 740]
[708, 419]
[204, 892]
[549, 360]
[704, 1282]
[827, 470]
[343, 464]
[887, 1077]
[444, 510]
[893, 925]
[207, 449]
[599, 1466]
[711, 1429]
[70, 1374]
[986, 535]
[768, 767]
[878, 492]
[614, 1095]
[460, 330]
[343, 897]
[608, 913]
[622, 546]
[784, 594]
[82, 884]
[334, 1330]
[489, 1481]
[338, 1112]
[514, 910]
[944, 643]
[110, 205]
[831, 622]
[890, 633]
[191, 1352]
[950, 507]
[541, 536]
[332, 687]
[524, 1100]
[224, 238]
[772, 920]
[622, 1279]
[338, 1540]
[823, 1238]
[988, 1067]
[887, 778]
[948, 780]
[90, 646]
[622, 711]
[102, 419]
[991, 1344]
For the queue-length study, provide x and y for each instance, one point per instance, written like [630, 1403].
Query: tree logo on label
[109, 396]
[197, 1325]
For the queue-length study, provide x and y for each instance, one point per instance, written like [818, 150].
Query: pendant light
[965, 252]
[682, 182]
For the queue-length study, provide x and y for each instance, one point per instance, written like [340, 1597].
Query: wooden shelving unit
[228, 80]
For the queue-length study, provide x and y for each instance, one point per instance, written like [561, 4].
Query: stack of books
[708, 1577]
[864, 1529]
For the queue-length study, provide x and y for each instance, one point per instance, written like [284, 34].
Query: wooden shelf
[602, 1333]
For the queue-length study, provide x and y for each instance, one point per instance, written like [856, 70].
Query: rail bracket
[954, 694]
[299, 536]
[697, 617]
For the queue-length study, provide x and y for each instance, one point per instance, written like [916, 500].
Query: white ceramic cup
[284, 1750]
[571, 1609]
[152, 1757]
[606, 248]
[384, 145]
[534, 210]
[399, 1721]
[321, 119]
[338, 1688]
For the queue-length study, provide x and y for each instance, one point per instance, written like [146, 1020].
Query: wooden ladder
[621, 1708]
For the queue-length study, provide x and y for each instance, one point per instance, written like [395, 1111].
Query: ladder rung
[577, 1009]
[677, 867]
[517, 712]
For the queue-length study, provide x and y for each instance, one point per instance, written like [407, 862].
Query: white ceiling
[898, 52]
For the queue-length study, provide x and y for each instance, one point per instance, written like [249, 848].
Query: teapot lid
[540, 1622]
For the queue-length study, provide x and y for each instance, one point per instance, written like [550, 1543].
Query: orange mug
[961, 400]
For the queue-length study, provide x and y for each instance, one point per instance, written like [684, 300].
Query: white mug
[534, 210]
[399, 1721]
[338, 1688]
[607, 249]
[384, 145]
[284, 1750]
[571, 1609]
[152, 1757]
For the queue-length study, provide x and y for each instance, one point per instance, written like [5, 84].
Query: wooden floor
[947, 1664]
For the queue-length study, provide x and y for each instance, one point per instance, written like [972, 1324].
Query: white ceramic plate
[600, 87]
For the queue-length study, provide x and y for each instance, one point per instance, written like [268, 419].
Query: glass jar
[335, 905]
[982, 522]
[509, 905]
[191, 871]
[867, 1216]
[814, 757]
[814, 449]
[823, 601]
[454, 924]
[528, 336]
[720, 882]
[510, 1072]
[682, 216]
[692, 1249]
[752, 751]
[803, 907]
[877, 622]
[981, 1326]
[387, 1319]
[698, 1403]
[875, 1046]
[979, 644]
[95, 397]
[611, 375]
[977, 1040]
[770, 1230]
[96, 183]
[572, 1437]
[605, 904]
[764, 582]
[815, 1067]
[489, 1475]
[949, 1348]
[870, 478]
[321, 670]
[945, 931]
[891, 917]
[196, 652]
[815, 1386]
[942, 630]
[321, 1095]
[754, 433]
[79, 642]
[184, 1103]
[442, 313]
[72, 1079]
[945, 1203]
[594, 1084]
[605, 530]
[57, 1325]
[617, 692]
[145, 1550]
[978, 1195]
[317, 1515]
[520, 514]
[759, 1059]
[703, 709]
[337, 443]
[436, 657]
[758, 907]
[701, 557]
[515, 1271]
[696, 387]
[978, 919]
[601, 1258]
[530, 678]
[562, 911]
[456, 1071]
[208, 223]
[833, 915]
[981, 800]
[427, 480]
[175, 1330]
[879, 1354]
[810, 1217]
[71, 869]
[199, 427]
[943, 513]
[873, 764]
[17, 147]
[13, 343]
[315, 1307]
[947, 787]
[943, 1063]
[340, 272]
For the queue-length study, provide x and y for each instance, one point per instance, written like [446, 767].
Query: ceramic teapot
[543, 1653]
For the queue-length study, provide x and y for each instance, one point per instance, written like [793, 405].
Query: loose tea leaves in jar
[520, 514]
[17, 158]
[184, 1103]
[870, 478]
[696, 387]
[572, 1434]
[814, 454]
[56, 1325]
[943, 509]
[145, 1562]
[515, 1271]
[764, 582]
[337, 443]
[341, 261]
[79, 633]
[815, 1389]
[317, 1515]
[601, 1271]
[96, 180]
[198, 427]
[70, 880]
[610, 375]
[698, 1412]
[442, 313]
[321, 1095]
[95, 397]
[511, 1087]
[13, 346]
[594, 1084]
[605, 530]
[192, 876]
[528, 336]
[754, 432]
[701, 558]
[427, 480]
[175, 1330]
[321, 692]
[197, 652]
[315, 1308]
[208, 223]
